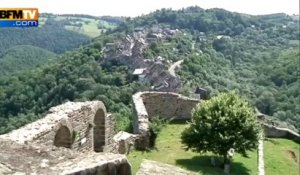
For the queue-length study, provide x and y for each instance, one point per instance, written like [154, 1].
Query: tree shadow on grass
[201, 164]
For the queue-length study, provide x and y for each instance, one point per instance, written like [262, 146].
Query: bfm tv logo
[19, 17]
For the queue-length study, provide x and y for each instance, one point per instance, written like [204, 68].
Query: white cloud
[138, 7]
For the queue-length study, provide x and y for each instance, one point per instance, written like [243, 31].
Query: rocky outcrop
[149, 167]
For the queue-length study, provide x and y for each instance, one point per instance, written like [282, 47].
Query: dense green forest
[222, 51]
[52, 37]
[75, 77]
[23, 57]
[25, 48]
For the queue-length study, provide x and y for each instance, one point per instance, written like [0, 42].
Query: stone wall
[18, 158]
[170, 105]
[166, 105]
[276, 132]
[83, 127]
[149, 167]
[96, 164]
[110, 130]
[74, 124]
[124, 142]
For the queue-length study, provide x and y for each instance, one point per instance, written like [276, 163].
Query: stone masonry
[149, 167]
[170, 105]
[73, 138]
[276, 132]
[23, 159]
[166, 105]
[82, 126]
[79, 138]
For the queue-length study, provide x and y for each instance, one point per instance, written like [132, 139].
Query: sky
[138, 7]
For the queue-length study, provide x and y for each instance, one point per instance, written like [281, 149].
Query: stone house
[139, 74]
[200, 93]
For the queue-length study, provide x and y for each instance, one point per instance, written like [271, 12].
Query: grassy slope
[90, 29]
[170, 150]
[278, 157]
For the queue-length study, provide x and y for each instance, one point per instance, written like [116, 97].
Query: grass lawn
[89, 26]
[281, 157]
[90, 29]
[170, 150]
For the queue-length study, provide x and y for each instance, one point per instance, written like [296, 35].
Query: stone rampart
[276, 132]
[166, 105]
[24, 159]
[82, 126]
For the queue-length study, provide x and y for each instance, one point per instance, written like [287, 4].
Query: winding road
[173, 67]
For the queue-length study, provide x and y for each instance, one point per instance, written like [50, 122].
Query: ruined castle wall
[98, 164]
[45, 127]
[81, 121]
[166, 105]
[276, 132]
[49, 160]
[77, 119]
[110, 133]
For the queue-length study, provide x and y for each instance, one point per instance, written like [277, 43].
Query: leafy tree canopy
[221, 123]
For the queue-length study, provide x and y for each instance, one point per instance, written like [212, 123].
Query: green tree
[221, 124]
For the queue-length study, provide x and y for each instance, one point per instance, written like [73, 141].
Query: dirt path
[174, 66]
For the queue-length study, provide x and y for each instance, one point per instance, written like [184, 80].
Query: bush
[123, 121]
[156, 125]
[222, 123]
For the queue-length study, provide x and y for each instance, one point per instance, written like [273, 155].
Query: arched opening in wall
[99, 130]
[63, 137]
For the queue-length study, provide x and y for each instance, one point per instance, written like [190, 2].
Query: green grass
[170, 150]
[90, 29]
[279, 159]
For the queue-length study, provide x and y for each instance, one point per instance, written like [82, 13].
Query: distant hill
[23, 57]
[23, 48]
[52, 36]
[91, 26]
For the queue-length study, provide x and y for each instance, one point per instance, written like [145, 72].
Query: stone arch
[63, 137]
[99, 130]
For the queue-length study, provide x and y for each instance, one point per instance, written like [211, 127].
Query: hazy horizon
[134, 8]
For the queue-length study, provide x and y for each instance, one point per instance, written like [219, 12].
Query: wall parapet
[33, 158]
[167, 105]
[277, 132]
[79, 128]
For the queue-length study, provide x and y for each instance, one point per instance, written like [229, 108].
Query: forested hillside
[25, 48]
[76, 76]
[52, 37]
[256, 55]
[23, 57]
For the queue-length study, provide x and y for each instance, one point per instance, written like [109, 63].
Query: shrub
[156, 125]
